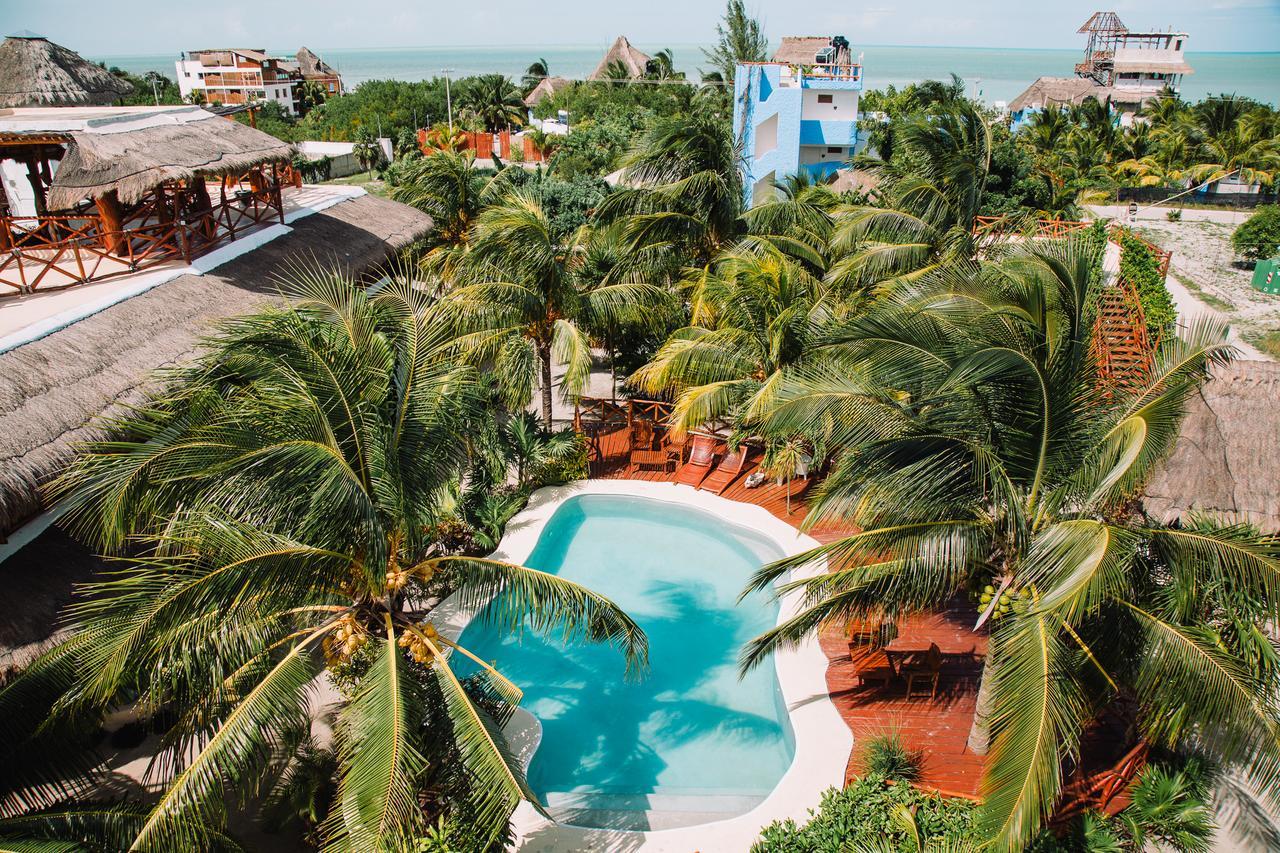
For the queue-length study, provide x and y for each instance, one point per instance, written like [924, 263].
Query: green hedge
[862, 814]
[1139, 267]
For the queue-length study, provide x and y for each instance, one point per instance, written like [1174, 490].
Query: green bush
[1258, 236]
[866, 813]
[1139, 267]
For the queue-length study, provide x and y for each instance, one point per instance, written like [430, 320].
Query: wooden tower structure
[1106, 32]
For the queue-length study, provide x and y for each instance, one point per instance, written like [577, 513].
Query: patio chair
[701, 458]
[927, 669]
[727, 471]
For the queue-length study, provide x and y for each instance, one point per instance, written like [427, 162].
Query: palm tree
[753, 316]
[519, 301]
[283, 490]
[739, 38]
[537, 71]
[689, 194]
[528, 446]
[1047, 129]
[932, 189]
[974, 448]
[447, 186]
[1253, 159]
[493, 101]
[662, 67]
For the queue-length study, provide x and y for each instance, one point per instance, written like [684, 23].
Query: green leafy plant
[867, 813]
[1174, 215]
[1138, 267]
[1258, 236]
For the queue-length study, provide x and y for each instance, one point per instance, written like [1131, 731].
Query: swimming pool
[691, 741]
[669, 821]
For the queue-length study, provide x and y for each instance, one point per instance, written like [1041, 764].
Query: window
[834, 149]
[824, 99]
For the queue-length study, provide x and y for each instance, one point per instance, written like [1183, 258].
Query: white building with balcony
[237, 76]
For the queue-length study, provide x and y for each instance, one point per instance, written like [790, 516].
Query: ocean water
[996, 74]
[690, 733]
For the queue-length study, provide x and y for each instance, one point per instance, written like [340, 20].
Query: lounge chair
[727, 471]
[701, 458]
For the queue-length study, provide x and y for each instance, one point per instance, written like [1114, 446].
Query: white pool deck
[822, 740]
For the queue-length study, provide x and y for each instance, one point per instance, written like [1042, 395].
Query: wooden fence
[40, 253]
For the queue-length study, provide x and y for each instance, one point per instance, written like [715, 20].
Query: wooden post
[203, 205]
[112, 216]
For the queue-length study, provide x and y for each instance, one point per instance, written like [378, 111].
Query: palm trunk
[544, 354]
[980, 731]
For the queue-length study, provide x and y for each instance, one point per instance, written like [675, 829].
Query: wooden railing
[1048, 229]
[52, 252]
[619, 412]
[1053, 229]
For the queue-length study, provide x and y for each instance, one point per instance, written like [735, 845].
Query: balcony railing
[40, 253]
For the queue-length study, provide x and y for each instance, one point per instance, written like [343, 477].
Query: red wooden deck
[938, 727]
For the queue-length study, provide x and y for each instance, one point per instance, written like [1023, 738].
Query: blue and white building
[797, 112]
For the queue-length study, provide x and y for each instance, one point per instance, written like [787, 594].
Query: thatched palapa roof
[133, 155]
[35, 72]
[621, 51]
[57, 390]
[313, 66]
[1058, 92]
[546, 87]
[802, 50]
[1227, 458]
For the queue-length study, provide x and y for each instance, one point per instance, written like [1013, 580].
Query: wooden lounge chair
[701, 458]
[727, 471]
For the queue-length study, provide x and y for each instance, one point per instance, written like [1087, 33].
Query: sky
[120, 27]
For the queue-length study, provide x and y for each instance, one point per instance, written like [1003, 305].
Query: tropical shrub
[1258, 236]
[887, 756]
[866, 813]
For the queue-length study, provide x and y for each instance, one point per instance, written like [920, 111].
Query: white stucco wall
[843, 106]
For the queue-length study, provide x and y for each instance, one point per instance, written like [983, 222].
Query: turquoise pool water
[690, 736]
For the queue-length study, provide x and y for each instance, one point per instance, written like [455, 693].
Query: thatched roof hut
[312, 66]
[136, 153]
[57, 390]
[1058, 92]
[36, 72]
[1227, 459]
[634, 61]
[546, 87]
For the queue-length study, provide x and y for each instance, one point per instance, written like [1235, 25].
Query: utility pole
[448, 97]
[151, 76]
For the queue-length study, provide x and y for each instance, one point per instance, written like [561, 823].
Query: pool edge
[822, 740]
